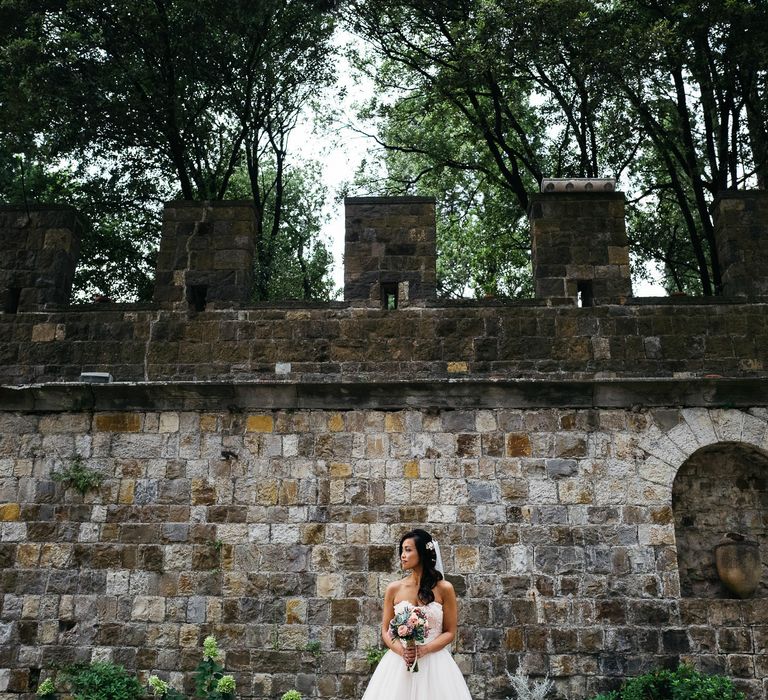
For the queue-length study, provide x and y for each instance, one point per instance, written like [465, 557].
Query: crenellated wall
[260, 461]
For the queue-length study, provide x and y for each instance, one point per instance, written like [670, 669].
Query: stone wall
[337, 342]
[274, 528]
[260, 462]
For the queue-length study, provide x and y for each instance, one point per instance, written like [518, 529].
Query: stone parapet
[388, 396]
[338, 344]
[390, 251]
[579, 247]
[39, 248]
[206, 254]
[741, 232]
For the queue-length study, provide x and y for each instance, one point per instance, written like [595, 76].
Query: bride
[438, 677]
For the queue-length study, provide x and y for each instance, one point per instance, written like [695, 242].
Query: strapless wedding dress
[438, 677]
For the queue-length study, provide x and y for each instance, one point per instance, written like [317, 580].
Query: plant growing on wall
[78, 476]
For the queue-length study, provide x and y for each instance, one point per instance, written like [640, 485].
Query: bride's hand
[409, 655]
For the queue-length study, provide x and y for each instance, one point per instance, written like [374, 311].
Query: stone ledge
[209, 203]
[385, 395]
[389, 200]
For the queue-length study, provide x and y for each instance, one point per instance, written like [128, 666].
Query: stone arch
[720, 447]
[721, 488]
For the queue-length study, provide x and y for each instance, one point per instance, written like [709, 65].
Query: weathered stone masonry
[260, 462]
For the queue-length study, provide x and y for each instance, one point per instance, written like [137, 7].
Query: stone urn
[739, 564]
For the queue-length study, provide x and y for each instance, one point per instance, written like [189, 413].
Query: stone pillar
[741, 233]
[389, 251]
[580, 247]
[39, 247]
[206, 254]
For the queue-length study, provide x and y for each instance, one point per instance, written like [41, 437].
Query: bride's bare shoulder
[445, 588]
[393, 588]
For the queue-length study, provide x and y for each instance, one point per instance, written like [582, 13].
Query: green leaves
[102, 680]
[663, 96]
[684, 683]
[118, 107]
[81, 478]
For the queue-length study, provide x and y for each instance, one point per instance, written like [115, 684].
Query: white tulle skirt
[438, 678]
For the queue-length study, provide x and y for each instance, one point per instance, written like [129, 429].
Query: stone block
[260, 424]
[518, 445]
[117, 422]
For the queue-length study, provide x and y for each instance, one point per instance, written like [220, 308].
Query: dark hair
[428, 558]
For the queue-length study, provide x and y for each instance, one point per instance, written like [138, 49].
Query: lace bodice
[434, 613]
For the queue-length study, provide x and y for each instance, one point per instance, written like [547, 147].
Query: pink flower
[403, 631]
[413, 619]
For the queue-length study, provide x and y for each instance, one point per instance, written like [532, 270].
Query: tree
[186, 91]
[302, 260]
[482, 233]
[689, 73]
[667, 95]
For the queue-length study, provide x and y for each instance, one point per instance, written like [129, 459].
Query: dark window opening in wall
[12, 299]
[389, 295]
[584, 293]
[197, 296]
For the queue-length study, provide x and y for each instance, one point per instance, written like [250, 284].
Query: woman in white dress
[438, 677]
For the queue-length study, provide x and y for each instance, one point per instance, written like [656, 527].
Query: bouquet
[410, 626]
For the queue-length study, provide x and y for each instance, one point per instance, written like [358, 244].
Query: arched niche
[719, 489]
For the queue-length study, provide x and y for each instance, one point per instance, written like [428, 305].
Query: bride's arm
[450, 616]
[387, 613]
